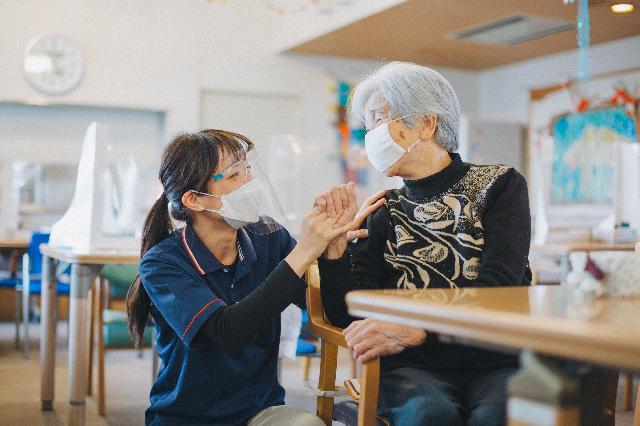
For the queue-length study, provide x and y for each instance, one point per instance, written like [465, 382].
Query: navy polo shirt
[200, 382]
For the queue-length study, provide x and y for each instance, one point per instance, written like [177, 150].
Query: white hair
[413, 91]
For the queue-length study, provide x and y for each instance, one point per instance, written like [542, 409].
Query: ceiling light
[622, 7]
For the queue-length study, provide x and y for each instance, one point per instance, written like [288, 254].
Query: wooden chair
[109, 326]
[331, 338]
[628, 398]
[306, 338]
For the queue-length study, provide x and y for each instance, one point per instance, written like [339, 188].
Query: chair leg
[628, 391]
[92, 318]
[306, 366]
[25, 324]
[101, 384]
[327, 380]
[17, 317]
[26, 284]
[636, 414]
[369, 389]
[101, 351]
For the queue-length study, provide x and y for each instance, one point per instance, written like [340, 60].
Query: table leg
[564, 265]
[26, 299]
[48, 333]
[82, 277]
[14, 260]
[598, 388]
[550, 390]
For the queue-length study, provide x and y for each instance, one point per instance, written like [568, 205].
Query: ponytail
[157, 226]
[187, 164]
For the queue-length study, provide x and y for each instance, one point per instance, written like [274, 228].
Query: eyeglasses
[238, 169]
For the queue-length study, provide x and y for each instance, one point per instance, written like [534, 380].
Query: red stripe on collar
[186, 246]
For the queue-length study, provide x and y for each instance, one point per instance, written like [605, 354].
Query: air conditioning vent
[512, 30]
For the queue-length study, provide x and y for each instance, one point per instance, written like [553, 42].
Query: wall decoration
[352, 155]
[583, 161]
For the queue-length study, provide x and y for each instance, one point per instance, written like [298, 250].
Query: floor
[126, 393]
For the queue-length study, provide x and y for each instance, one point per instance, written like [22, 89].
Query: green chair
[111, 325]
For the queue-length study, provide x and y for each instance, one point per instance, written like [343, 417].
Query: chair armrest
[328, 332]
[318, 324]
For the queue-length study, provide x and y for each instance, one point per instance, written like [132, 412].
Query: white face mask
[382, 151]
[240, 207]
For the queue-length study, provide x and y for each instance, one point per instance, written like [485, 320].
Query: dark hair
[187, 164]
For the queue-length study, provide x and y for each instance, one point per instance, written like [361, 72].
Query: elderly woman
[452, 224]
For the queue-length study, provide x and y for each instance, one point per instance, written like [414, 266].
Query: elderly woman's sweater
[465, 226]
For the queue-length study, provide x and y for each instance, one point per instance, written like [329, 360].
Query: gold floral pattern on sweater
[438, 240]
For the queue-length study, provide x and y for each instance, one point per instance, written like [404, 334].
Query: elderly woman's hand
[317, 231]
[369, 339]
[340, 202]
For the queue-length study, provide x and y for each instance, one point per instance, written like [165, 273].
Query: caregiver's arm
[234, 327]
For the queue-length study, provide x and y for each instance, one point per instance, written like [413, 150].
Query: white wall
[504, 91]
[151, 53]
[161, 55]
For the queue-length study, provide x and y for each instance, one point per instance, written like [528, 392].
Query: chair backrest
[35, 257]
[318, 321]
[120, 278]
[314, 298]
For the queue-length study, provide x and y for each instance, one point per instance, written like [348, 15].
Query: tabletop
[100, 257]
[14, 243]
[589, 246]
[547, 319]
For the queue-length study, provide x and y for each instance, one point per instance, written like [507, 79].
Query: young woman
[215, 288]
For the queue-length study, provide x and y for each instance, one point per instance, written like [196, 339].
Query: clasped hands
[368, 339]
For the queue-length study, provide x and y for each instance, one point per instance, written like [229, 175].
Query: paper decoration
[353, 157]
[583, 163]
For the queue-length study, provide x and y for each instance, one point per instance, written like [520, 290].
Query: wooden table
[565, 249]
[16, 246]
[543, 319]
[14, 243]
[84, 269]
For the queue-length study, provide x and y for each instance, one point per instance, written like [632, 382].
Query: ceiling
[417, 30]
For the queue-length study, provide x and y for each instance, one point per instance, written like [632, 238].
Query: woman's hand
[318, 229]
[340, 202]
[370, 205]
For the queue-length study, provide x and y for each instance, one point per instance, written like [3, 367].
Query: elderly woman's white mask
[382, 151]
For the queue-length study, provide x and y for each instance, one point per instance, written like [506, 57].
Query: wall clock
[53, 65]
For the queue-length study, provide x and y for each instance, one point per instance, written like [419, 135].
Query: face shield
[249, 200]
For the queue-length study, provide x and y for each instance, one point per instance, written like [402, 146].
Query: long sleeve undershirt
[235, 327]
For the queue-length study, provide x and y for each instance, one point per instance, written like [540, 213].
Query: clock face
[53, 65]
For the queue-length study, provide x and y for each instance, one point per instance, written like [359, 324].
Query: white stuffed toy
[612, 274]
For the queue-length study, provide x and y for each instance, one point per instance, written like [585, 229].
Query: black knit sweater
[464, 226]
